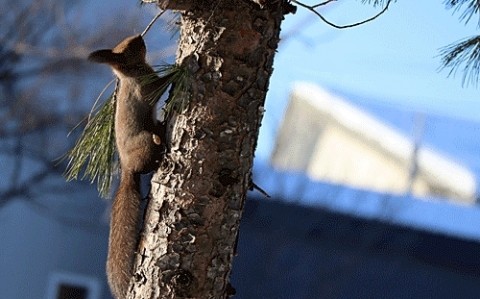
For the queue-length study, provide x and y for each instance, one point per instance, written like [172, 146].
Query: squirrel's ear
[105, 56]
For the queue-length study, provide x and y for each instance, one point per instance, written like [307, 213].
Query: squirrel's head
[131, 51]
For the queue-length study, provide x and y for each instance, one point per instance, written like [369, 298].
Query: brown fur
[137, 138]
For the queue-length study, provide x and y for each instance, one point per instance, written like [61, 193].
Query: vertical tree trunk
[192, 221]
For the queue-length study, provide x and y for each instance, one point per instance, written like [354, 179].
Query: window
[72, 286]
[67, 291]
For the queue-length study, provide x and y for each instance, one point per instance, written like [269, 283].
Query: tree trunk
[192, 221]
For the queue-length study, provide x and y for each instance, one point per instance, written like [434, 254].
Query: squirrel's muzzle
[106, 56]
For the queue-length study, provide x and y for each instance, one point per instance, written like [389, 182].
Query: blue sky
[395, 57]
[393, 60]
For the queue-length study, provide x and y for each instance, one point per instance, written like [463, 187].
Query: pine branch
[94, 153]
[466, 53]
[472, 8]
[163, 71]
[375, 2]
[180, 95]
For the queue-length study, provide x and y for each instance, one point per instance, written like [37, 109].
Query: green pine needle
[180, 95]
[178, 78]
[94, 153]
[466, 53]
[375, 2]
[471, 8]
[163, 71]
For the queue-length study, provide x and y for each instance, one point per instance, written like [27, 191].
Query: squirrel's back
[138, 139]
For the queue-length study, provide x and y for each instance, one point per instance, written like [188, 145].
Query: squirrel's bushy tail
[124, 225]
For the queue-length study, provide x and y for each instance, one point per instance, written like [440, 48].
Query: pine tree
[465, 54]
[226, 48]
[192, 220]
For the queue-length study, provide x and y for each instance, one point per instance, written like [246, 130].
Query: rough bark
[192, 221]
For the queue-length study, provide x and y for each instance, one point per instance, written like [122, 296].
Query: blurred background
[368, 149]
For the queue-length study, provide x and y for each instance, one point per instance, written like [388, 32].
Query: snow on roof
[437, 167]
[426, 214]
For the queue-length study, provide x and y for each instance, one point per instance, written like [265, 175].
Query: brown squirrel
[138, 140]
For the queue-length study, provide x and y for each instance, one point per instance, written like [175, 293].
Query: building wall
[287, 251]
[343, 158]
[333, 141]
[300, 130]
[53, 241]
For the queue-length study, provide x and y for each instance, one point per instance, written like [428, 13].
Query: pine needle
[94, 153]
[472, 7]
[374, 2]
[180, 95]
[466, 53]
[172, 73]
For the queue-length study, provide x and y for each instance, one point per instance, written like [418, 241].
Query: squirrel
[139, 142]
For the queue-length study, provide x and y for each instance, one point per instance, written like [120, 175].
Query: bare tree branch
[41, 53]
[312, 8]
[322, 3]
[152, 22]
